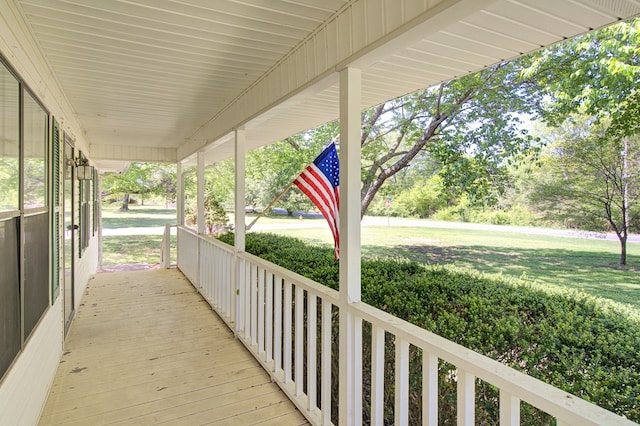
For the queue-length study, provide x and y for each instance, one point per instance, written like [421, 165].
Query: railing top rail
[208, 239]
[558, 403]
[297, 279]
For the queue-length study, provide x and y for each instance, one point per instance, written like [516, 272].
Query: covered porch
[196, 82]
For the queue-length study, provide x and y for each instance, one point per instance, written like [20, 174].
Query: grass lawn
[135, 248]
[136, 216]
[130, 249]
[589, 265]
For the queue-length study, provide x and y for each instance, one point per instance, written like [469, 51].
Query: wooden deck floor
[145, 348]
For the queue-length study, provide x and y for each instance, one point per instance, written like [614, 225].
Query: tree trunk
[625, 203]
[125, 202]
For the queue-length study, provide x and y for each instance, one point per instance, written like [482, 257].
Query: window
[9, 143]
[35, 219]
[10, 338]
[35, 121]
[24, 216]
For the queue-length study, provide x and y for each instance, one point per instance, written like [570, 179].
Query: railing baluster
[213, 278]
[429, 389]
[326, 361]
[402, 382]
[377, 375]
[247, 300]
[312, 345]
[261, 291]
[287, 331]
[239, 298]
[299, 340]
[357, 369]
[254, 305]
[466, 398]
[228, 285]
[222, 285]
[509, 409]
[208, 270]
[269, 318]
[277, 344]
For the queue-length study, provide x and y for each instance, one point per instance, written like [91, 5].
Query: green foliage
[9, 175]
[470, 127]
[594, 73]
[573, 341]
[215, 217]
[421, 200]
[144, 179]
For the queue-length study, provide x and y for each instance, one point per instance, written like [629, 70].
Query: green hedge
[571, 340]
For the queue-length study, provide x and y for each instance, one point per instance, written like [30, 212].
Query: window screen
[36, 272]
[9, 294]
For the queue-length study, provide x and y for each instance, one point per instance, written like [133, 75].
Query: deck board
[145, 348]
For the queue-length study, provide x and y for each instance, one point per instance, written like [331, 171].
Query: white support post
[166, 247]
[239, 218]
[201, 183]
[179, 195]
[240, 166]
[350, 354]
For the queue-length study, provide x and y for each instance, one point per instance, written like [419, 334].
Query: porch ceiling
[147, 77]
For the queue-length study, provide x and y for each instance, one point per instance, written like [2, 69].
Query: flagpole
[266, 209]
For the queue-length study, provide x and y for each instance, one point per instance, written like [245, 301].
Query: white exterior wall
[84, 268]
[24, 388]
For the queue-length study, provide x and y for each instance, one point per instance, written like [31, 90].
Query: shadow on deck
[145, 348]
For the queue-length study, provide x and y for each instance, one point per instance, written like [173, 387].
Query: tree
[594, 74]
[591, 81]
[470, 126]
[142, 179]
[592, 179]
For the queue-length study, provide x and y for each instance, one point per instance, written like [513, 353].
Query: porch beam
[350, 353]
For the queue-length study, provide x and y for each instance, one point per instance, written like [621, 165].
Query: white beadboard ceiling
[151, 74]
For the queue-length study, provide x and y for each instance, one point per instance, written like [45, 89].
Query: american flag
[320, 181]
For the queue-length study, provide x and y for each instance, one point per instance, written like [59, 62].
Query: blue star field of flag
[328, 162]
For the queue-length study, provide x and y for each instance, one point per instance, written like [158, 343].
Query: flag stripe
[320, 182]
[323, 198]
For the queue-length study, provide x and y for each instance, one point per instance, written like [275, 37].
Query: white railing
[290, 324]
[188, 249]
[165, 247]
